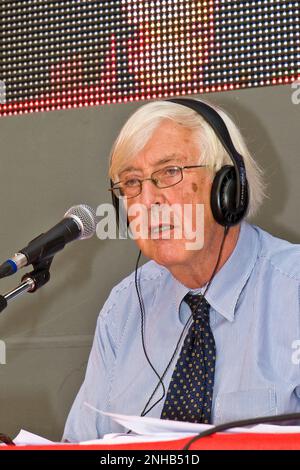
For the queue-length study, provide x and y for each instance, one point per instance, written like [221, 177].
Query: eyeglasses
[163, 178]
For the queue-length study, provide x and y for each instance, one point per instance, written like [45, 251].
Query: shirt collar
[228, 283]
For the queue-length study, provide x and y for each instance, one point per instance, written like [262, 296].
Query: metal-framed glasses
[163, 178]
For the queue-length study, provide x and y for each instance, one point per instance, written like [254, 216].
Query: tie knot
[199, 306]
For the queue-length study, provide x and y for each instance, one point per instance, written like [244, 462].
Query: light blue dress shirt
[255, 320]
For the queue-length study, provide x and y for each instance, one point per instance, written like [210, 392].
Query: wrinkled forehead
[168, 142]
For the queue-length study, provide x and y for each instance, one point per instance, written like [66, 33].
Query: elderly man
[205, 334]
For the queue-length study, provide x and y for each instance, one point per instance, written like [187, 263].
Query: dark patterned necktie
[189, 397]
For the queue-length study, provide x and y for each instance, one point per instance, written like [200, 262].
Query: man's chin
[167, 252]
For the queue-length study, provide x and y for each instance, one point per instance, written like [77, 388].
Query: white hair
[140, 126]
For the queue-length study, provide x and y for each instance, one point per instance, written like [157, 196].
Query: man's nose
[150, 194]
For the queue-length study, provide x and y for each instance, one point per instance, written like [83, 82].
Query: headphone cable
[187, 324]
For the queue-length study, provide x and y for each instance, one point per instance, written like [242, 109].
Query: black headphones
[229, 193]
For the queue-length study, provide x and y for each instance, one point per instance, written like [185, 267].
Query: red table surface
[215, 442]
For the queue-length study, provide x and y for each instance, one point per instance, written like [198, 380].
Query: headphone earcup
[116, 204]
[223, 198]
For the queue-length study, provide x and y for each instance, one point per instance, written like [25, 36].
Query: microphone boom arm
[30, 282]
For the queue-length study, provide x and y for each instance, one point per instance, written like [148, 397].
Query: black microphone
[79, 223]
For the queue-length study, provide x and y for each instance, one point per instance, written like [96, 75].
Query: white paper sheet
[147, 429]
[28, 438]
[147, 426]
[134, 438]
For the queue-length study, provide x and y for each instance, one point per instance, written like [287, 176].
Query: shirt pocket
[245, 404]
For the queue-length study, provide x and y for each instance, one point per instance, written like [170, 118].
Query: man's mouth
[161, 228]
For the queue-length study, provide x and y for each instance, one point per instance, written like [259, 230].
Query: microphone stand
[30, 282]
